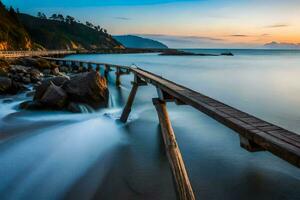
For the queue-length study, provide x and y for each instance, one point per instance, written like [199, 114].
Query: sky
[184, 23]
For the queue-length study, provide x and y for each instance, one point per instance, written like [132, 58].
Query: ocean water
[58, 155]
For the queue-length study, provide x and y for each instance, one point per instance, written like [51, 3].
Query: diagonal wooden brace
[183, 185]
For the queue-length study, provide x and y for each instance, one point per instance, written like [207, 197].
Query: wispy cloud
[122, 18]
[239, 35]
[277, 26]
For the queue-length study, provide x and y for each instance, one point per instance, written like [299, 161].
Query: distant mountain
[60, 33]
[276, 45]
[132, 41]
[13, 35]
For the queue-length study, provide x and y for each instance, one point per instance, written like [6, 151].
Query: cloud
[239, 35]
[277, 26]
[122, 18]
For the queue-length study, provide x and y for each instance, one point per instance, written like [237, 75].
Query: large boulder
[54, 97]
[5, 84]
[8, 86]
[89, 88]
[41, 89]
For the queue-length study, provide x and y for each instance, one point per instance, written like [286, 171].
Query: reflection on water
[58, 155]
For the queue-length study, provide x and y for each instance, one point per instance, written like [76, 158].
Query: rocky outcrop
[61, 93]
[9, 86]
[89, 88]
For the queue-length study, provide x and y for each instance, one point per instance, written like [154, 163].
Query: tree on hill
[69, 19]
[41, 15]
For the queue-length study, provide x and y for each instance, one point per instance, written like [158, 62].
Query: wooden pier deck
[255, 134]
[19, 54]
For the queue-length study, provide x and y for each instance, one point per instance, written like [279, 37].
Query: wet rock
[5, 85]
[46, 71]
[38, 63]
[31, 105]
[35, 75]
[54, 97]
[41, 89]
[79, 108]
[4, 68]
[55, 71]
[7, 101]
[89, 88]
[30, 94]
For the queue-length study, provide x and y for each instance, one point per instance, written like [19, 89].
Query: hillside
[131, 41]
[277, 45]
[13, 36]
[61, 34]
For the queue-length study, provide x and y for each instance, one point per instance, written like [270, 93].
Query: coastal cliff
[25, 32]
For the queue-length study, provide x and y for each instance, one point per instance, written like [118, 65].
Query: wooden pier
[255, 134]
[20, 54]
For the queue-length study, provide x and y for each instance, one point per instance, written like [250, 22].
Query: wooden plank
[183, 185]
[258, 135]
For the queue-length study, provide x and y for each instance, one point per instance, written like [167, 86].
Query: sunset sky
[185, 23]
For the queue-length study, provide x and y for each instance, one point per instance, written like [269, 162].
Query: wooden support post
[127, 109]
[249, 145]
[106, 71]
[118, 77]
[183, 185]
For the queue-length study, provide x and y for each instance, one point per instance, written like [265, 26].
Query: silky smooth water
[58, 155]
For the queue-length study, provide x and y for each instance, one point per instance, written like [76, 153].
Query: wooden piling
[106, 71]
[183, 185]
[127, 108]
[118, 77]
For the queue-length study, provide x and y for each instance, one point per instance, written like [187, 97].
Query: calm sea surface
[58, 155]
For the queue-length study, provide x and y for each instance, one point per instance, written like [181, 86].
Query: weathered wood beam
[127, 109]
[118, 77]
[183, 185]
[249, 145]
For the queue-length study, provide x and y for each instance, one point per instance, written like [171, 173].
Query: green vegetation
[12, 33]
[24, 32]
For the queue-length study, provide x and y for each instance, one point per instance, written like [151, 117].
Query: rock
[47, 71]
[55, 71]
[41, 89]
[54, 97]
[26, 80]
[8, 86]
[5, 85]
[19, 69]
[7, 101]
[31, 105]
[89, 88]
[35, 75]
[79, 108]
[30, 94]
[39, 63]
[4, 68]
[64, 69]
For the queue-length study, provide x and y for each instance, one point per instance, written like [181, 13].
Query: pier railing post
[183, 185]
